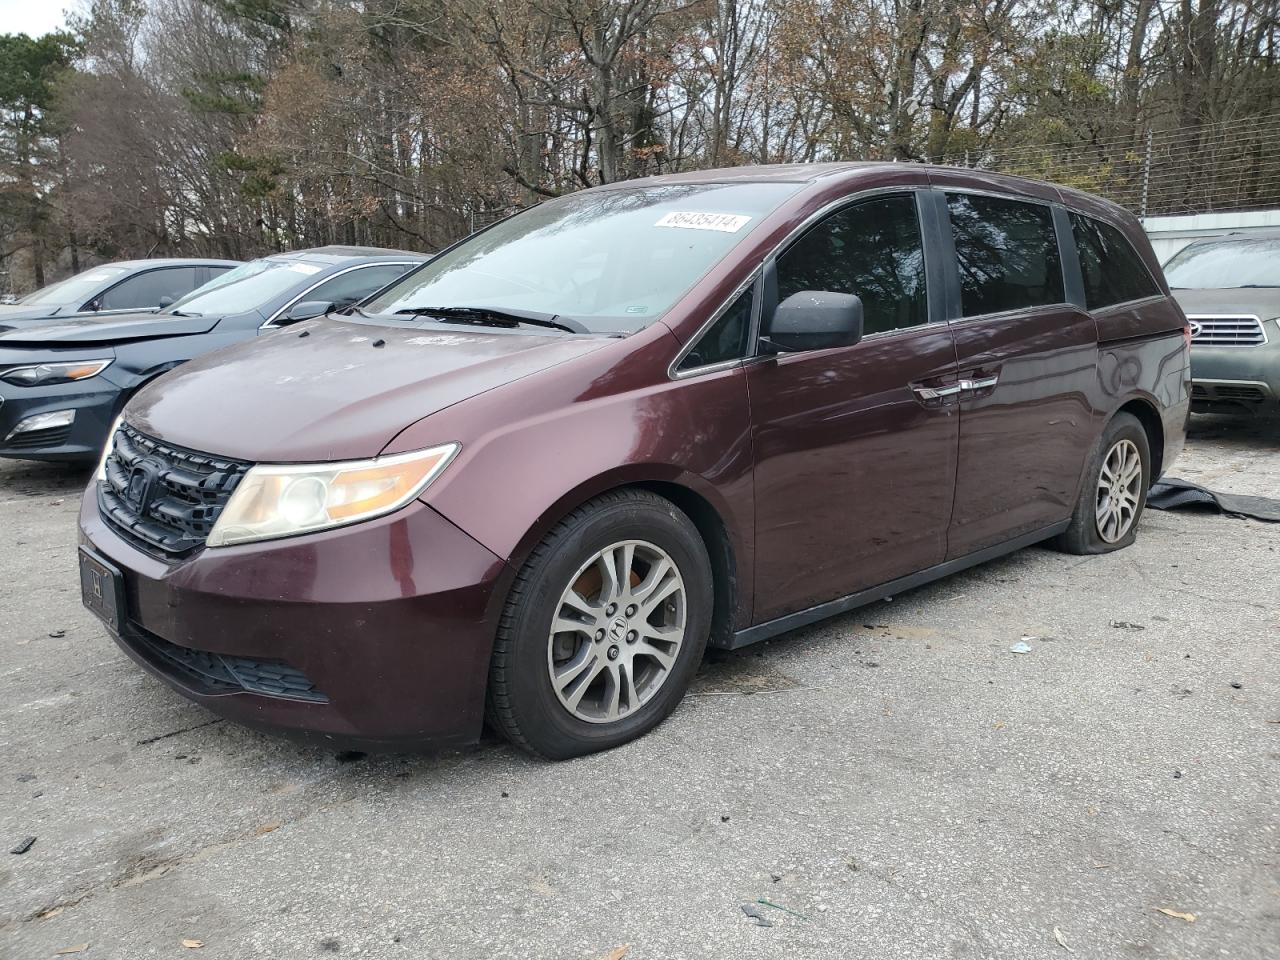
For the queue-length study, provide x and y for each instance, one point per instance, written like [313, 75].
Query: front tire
[604, 628]
[1115, 491]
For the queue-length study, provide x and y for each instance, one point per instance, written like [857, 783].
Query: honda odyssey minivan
[533, 480]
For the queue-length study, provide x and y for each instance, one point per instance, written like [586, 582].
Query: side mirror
[814, 320]
[165, 301]
[94, 305]
[306, 310]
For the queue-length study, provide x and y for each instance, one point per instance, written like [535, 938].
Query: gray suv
[1229, 287]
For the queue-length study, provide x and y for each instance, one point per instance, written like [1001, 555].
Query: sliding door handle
[937, 393]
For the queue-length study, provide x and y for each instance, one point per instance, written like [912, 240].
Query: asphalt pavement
[895, 783]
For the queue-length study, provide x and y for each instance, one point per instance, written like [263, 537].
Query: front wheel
[1115, 491]
[604, 629]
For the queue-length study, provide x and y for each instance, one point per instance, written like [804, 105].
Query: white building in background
[1170, 234]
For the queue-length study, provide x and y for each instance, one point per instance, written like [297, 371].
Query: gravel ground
[892, 784]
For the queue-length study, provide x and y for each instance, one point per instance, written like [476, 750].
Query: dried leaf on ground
[193, 944]
[267, 828]
[1189, 917]
[617, 953]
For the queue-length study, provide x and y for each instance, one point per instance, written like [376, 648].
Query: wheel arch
[698, 501]
[1145, 412]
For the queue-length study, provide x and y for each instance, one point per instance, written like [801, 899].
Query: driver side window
[873, 249]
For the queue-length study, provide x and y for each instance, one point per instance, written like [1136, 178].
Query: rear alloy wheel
[1119, 491]
[1115, 490]
[604, 628]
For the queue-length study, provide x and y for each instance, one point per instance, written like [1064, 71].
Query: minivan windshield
[247, 287]
[74, 291]
[614, 260]
[1225, 264]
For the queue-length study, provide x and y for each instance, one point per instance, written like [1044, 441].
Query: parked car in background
[63, 382]
[1229, 287]
[114, 288]
[536, 477]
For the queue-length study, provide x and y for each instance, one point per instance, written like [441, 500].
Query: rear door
[855, 447]
[1027, 363]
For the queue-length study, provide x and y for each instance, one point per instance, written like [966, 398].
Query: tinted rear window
[1111, 269]
[1007, 253]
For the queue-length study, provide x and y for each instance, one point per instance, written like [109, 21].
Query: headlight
[40, 374]
[287, 499]
[101, 473]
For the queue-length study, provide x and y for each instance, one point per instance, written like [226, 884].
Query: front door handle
[979, 383]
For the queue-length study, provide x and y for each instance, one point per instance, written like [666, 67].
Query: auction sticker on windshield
[724, 222]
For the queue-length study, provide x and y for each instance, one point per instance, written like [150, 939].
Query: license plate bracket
[101, 589]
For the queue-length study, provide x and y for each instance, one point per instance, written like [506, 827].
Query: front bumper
[95, 402]
[1237, 378]
[389, 623]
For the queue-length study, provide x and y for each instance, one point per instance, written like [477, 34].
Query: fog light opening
[43, 421]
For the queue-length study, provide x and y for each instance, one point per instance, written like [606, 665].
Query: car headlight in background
[287, 499]
[40, 374]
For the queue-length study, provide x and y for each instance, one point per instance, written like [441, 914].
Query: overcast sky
[33, 17]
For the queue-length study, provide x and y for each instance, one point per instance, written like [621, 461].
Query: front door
[855, 447]
[1028, 362]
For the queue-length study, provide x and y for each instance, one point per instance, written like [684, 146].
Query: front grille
[1227, 331]
[39, 439]
[219, 673]
[162, 498]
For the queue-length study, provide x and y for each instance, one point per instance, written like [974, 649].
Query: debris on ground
[778, 906]
[1020, 647]
[78, 948]
[617, 953]
[193, 944]
[1125, 625]
[758, 918]
[1057, 935]
[57, 634]
[23, 845]
[1171, 493]
[1177, 914]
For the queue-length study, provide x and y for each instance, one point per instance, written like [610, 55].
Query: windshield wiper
[1258, 286]
[498, 318]
[184, 313]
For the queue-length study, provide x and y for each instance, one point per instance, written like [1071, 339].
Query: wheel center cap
[618, 629]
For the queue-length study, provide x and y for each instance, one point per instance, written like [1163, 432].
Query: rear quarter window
[1007, 254]
[1111, 269]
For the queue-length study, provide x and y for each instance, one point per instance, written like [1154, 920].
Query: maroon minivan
[533, 479]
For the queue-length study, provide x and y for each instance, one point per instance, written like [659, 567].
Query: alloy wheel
[1119, 491]
[617, 631]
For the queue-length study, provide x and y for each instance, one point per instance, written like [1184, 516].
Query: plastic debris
[1057, 935]
[778, 906]
[25, 844]
[758, 918]
[1020, 647]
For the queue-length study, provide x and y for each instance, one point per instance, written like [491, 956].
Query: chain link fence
[1209, 168]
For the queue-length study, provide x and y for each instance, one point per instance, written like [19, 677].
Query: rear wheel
[604, 628]
[1115, 491]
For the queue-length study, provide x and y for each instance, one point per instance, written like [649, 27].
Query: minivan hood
[113, 329]
[1262, 302]
[322, 390]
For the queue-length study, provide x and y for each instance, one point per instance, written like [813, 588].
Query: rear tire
[1114, 494]
[604, 628]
